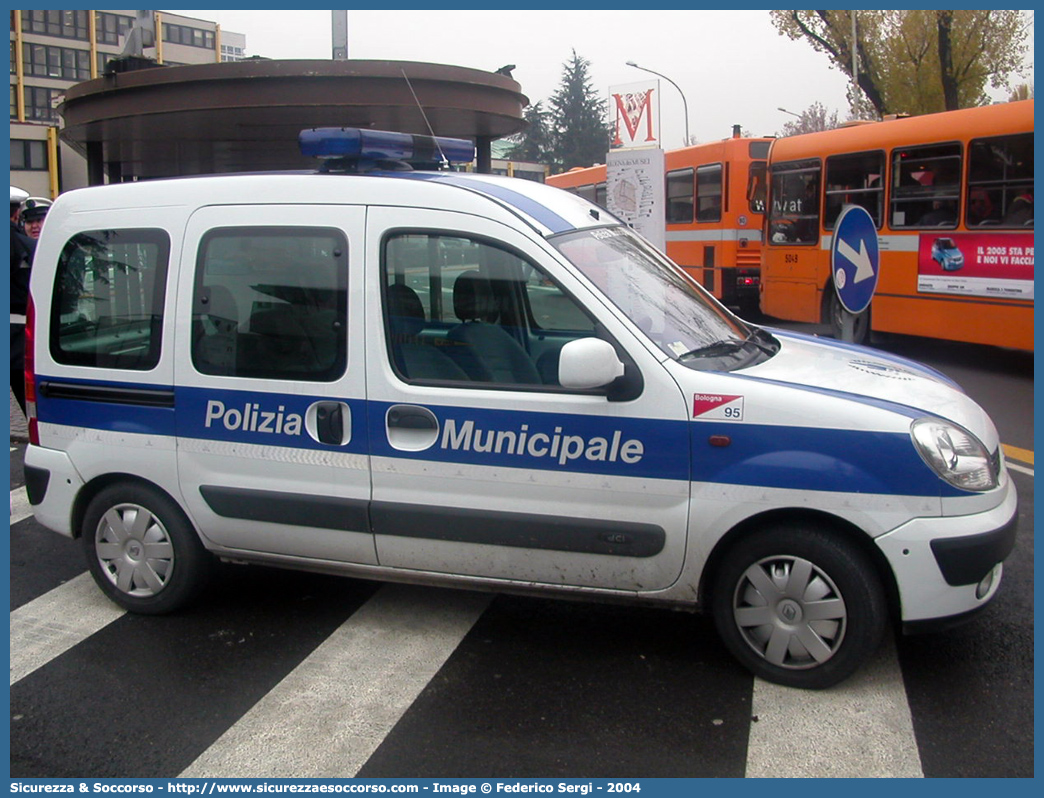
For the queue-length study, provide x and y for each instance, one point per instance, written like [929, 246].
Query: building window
[229, 53]
[14, 102]
[110, 27]
[192, 37]
[40, 104]
[29, 155]
[65, 63]
[64, 24]
[14, 58]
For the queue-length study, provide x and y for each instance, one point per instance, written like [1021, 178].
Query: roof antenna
[445, 162]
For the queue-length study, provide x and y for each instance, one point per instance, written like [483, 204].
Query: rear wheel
[799, 606]
[142, 551]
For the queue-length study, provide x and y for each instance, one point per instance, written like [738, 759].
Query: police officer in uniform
[22, 250]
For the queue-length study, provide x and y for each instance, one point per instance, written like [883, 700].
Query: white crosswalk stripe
[329, 715]
[859, 729]
[20, 507]
[57, 621]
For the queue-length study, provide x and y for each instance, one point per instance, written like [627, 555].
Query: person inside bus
[1020, 214]
[980, 208]
[942, 214]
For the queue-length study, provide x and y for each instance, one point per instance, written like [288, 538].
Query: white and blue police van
[457, 379]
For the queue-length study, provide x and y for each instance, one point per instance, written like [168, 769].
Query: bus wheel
[835, 315]
[142, 551]
[799, 606]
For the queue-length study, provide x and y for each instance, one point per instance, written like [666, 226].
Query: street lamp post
[685, 104]
[784, 110]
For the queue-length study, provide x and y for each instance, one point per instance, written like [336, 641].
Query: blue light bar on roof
[354, 143]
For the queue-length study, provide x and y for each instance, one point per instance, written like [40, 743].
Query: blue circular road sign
[855, 258]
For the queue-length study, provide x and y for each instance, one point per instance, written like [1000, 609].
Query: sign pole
[854, 264]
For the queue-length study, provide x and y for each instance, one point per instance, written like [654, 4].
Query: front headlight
[954, 454]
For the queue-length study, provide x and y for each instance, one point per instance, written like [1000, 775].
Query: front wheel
[835, 316]
[799, 606]
[142, 551]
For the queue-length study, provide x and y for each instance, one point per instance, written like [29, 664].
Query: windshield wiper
[726, 347]
[730, 345]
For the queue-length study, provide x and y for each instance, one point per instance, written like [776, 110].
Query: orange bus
[714, 211]
[951, 195]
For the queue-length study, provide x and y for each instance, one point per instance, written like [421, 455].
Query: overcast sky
[732, 66]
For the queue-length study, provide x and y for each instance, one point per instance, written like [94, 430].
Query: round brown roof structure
[246, 115]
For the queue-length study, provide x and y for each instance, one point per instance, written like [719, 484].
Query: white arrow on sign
[864, 268]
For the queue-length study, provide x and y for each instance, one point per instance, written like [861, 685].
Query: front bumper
[939, 563]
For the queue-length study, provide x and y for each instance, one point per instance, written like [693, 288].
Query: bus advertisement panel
[976, 264]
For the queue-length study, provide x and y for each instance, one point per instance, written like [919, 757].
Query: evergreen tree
[534, 143]
[580, 132]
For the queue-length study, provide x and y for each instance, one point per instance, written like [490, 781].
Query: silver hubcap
[134, 550]
[790, 612]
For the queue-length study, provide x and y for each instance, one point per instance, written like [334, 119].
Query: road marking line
[329, 715]
[860, 728]
[1015, 453]
[52, 624]
[20, 507]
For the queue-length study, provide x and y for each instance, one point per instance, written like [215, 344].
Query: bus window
[680, 196]
[794, 214]
[1000, 170]
[758, 150]
[855, 179]
[708, 193]
[926, 186]
[600, 196]
[756, 186]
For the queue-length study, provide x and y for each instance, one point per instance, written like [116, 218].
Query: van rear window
[108, 299]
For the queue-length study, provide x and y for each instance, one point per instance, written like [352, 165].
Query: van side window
[108, 308]
[271, 303]
[467, 311]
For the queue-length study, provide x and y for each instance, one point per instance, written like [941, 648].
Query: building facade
[52, 50]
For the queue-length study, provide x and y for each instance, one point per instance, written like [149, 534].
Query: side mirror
[588, 363]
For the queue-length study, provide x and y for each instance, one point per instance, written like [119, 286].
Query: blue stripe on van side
[808, 458]
[112, 416]
[531, 208]
[797, 458]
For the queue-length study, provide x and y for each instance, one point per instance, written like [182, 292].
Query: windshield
[685, 322]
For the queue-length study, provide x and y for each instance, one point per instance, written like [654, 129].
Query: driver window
[469, 311]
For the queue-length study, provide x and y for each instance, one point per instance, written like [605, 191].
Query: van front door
[483, 465]
[272, 440]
